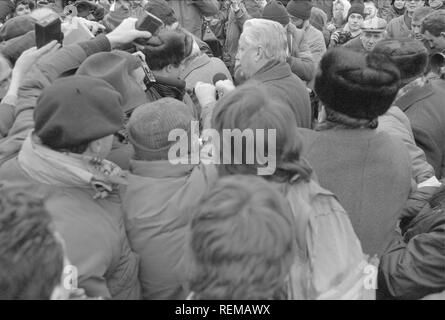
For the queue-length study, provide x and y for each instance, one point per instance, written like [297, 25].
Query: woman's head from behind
[356, 85]
[242, 241]
[270, 139]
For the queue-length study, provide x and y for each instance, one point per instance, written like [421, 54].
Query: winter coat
[190, 13]
[285, 87]
[300, 60]
[203, 68]
[424, 108]
[42, 75]
[248, 9]
[330, 260]
[397, 124]
[355, 44]
[397, 28]
[156, 204]
[94, 236]
[413, 266]
[370, 173]
[316, 43]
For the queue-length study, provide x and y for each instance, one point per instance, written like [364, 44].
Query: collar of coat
[196, 63]
[160, 169]
[273, 70]
[415, 94]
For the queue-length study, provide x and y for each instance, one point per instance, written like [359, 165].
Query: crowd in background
[92, 205]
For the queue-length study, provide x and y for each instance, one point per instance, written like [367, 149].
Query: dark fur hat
[359, 86]
[409, 55]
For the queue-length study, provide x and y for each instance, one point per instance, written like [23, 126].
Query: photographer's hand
[126, 32]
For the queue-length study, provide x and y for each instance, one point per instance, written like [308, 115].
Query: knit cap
[300, 9]
[357, 7]
[151, 124]
[276, 11]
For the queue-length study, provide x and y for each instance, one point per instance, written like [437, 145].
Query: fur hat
[276, 11]
[115, 68]
[77, 110]
[150, 126]
[300, 9]
[359, 86]
[409, 55]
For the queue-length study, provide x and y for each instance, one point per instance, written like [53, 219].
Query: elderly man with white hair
[261, 56]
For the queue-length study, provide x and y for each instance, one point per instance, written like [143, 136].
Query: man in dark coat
[413, 266]
[262, 56]
[420, 99]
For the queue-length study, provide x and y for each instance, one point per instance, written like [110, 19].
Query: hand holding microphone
[206, 93]
[222, 84]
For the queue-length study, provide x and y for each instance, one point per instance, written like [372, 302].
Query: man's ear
[258, 54]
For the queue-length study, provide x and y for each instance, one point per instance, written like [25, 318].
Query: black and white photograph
[243, 152]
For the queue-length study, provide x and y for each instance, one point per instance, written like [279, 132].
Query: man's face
[338, 10]
[299, 23]
[246, 57]
[370, 39]
[355, 21]
[22, 9]
[437, 43]
[435, 4]
[412, 5]
[416, 27]
[122, 6]
[370, 10]
[399, 4]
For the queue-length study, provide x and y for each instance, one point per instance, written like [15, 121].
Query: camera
[343, 37]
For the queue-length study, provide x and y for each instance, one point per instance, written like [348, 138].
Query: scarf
[69, 170]
[166, 91]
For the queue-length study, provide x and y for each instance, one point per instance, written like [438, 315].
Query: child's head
[242, 241]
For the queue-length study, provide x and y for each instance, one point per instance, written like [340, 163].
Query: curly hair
[242, 241]
[31, 257]
[169, 47]
[434, 23]
[249, 107]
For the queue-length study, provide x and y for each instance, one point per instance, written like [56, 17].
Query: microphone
[218, 77]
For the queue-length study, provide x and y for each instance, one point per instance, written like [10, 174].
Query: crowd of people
[332, 189]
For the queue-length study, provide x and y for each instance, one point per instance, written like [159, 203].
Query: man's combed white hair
[269, 35]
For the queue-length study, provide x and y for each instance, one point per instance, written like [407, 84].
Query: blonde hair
[268, 34]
